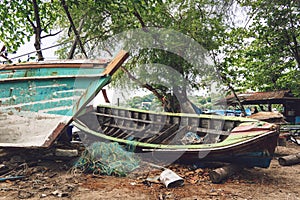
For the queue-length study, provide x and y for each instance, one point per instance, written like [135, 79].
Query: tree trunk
[38, 31]
[185, 105]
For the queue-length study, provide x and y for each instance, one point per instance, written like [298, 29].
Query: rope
[39, 50]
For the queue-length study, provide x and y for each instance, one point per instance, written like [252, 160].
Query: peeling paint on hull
[38, 100]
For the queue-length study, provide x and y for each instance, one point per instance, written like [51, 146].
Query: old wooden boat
[39, 100]
[187, 138]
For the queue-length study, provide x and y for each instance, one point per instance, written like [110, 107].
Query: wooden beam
[222, 173]
[63, 64]
[289, 160]
[116, 63]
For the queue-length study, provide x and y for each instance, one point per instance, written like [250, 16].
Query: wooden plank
[222, 173]
[116, 63]
[36, 78]
[145, 133]
[213, 131]
[126, 118]
[172, 133]
[113, 131]
[289, 160]
[66, 64]
[198, 129]
[166, 133]
[128, 128]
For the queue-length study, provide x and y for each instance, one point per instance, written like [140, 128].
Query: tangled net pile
[106, 159]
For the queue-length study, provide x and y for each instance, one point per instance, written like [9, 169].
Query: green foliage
[202, 20]
[260, 53]
[146, 102]
[17, 21]
[202, 102]
[150, 102]
[268, 56]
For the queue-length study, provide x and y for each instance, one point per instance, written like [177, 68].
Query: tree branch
[63, 3]
[97, 37]
[223, 77]
[71, 52]
[147, 86]
[139, 17]
[49, 35]
[31, 22]
[46, 26]
[297, 54]
[294, 37]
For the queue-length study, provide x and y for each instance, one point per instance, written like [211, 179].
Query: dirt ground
[55, 179]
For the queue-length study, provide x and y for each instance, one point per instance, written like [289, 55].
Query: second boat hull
[184, 137]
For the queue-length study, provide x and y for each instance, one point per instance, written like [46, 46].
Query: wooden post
[219, 174]
[289, 160]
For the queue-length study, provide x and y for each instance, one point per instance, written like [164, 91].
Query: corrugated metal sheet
[252, 97]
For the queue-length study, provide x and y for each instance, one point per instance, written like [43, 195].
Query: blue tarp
[228, 112]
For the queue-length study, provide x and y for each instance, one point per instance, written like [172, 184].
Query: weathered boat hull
[39, 100]
[255, 153]
[51, 88]
[184, 137]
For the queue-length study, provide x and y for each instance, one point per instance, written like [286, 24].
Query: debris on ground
[170, 179]
[43, 174]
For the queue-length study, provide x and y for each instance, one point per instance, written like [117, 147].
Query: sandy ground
[54, 179]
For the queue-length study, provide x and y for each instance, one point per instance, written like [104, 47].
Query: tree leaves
[258, 51]
[18, 21]
[268, 57]
[200, 21]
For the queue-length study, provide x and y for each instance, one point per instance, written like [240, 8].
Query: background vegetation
[253, 44]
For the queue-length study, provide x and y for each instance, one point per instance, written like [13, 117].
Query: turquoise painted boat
[39, 100]
[186, 138]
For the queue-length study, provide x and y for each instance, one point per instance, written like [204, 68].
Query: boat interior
[159, 128]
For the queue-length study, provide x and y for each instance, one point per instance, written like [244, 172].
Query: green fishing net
[107, 159]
